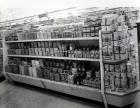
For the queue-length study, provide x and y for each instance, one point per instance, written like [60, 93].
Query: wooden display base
[80, 91]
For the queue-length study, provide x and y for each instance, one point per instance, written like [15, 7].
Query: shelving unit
[98, 94]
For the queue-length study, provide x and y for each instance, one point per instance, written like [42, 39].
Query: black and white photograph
[69, 54]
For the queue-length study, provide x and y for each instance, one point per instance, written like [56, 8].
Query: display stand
[119, 99]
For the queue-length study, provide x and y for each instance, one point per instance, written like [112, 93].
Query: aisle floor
[25, 96]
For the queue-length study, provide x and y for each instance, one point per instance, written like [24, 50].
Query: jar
[118, 82]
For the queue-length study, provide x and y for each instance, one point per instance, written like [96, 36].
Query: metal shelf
[56, 39]
[53, 57]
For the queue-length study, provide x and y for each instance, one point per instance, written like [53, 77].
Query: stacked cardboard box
[115, 37]
[116, 46]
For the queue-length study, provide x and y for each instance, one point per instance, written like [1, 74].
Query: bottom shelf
[80, 91]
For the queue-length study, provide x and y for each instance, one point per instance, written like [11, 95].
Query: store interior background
[13, 9]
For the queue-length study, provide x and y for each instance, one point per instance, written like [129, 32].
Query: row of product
[115, 53]
[55, 32]
[114, 38]
[54, 49]
[80, 73]
[113, 23]
[113, 19]
[119, 77]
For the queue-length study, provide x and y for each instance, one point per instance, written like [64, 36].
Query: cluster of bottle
[80, 73]
[119, 77]
[115, 37]
[65, 31]
[58, 49]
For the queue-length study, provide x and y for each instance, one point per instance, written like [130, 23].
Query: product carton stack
[115, 38]
[117, 51]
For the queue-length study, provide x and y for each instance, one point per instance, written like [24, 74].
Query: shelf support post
[102, 72]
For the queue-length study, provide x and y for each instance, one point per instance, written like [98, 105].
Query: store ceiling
[11, 9]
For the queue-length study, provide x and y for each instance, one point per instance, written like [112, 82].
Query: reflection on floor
[25, 96]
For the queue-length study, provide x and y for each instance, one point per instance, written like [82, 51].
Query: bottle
[118, 76]
[79, 71]
[112, 83]
[75, 52]
[87, 52]
[97, 53]
[123, 76]
[83, 72]
[84, 52]
[72, 50]
[74, 68]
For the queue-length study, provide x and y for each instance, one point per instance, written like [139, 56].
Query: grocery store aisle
[24, 96]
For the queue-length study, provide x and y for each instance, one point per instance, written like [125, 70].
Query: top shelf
[56, 39]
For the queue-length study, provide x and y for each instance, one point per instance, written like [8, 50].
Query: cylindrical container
[74, 71]
[112, 83]
[117, 82]
[124, 83]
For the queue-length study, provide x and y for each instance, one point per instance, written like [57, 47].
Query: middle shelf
[53, 57]
[56, 39]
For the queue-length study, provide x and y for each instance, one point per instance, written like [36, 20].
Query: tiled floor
[24, 96]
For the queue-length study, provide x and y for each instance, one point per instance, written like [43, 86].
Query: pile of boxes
[116, 46]
[119, 77]
[115, 37]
